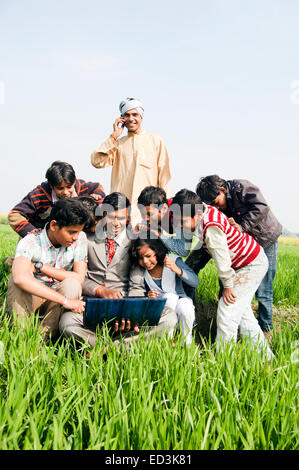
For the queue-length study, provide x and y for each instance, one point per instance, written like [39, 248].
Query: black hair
[152, 195]
[60, 172]
[208, 188]
[154, 244]
[69, 211]
[91, 205]
[114, 202]
[187, 201]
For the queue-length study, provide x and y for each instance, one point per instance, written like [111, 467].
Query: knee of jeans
[71, 288]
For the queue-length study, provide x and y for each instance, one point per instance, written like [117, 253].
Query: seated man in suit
[108, 270]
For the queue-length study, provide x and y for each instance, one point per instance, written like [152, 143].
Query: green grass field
[153, 396]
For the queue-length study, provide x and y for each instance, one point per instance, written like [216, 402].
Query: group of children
[87, 245]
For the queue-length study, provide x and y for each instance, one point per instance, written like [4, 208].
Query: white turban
[131, 103]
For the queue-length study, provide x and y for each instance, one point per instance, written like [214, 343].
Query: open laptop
[141, 310]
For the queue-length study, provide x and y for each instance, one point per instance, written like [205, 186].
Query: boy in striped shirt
[240, 261]
[34, 209]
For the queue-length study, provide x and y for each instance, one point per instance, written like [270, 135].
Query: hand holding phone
[118, 127]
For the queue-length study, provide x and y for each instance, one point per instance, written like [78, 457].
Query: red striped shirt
[243, 249]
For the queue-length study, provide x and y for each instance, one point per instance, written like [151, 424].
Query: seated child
[49, 268]
[163, 276]
[241, 264]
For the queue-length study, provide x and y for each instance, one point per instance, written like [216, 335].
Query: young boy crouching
[49, 268]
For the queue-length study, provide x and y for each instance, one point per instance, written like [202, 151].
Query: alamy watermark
[177, 218]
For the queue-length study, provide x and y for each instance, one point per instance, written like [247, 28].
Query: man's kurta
[137, 160]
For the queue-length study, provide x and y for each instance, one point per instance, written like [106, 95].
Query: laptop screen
[141, 310]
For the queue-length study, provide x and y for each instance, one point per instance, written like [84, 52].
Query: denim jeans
[264, 293]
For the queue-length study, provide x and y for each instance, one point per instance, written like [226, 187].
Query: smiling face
[64, 236]
[64, 190]
[132, 120]
[116, 222]
[147, 258]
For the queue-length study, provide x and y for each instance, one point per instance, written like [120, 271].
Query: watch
[38, 266]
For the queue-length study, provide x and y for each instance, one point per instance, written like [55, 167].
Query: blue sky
[215, 78]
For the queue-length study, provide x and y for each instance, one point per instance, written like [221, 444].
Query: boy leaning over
[241, 265]
[49, 268]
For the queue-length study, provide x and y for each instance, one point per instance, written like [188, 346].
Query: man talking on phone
[138, 159]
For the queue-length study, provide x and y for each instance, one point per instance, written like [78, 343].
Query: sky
[219, 81]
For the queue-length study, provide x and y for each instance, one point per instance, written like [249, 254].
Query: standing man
[138, 159]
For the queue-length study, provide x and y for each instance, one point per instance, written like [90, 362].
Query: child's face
[220, 201]
[186, 223]
[153, 214]
[64, 236]
[147, 258]
[64, 190]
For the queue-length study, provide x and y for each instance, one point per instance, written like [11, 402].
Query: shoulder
[80, 242]
[29, 240]
[137, 272]
[82, 238]
[213, 216]
[28, 245]
[242, 185]
[42, 189]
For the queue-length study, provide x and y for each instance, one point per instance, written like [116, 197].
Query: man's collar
[103, 235]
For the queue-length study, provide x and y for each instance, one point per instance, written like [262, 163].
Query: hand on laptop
[75, 305]
[107, 293]
[152, 294]
[125, 325]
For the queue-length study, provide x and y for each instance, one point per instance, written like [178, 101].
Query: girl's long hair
[150, 240]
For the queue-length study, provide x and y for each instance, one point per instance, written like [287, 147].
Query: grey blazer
[115, 275]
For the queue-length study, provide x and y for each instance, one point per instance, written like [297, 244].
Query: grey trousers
[71, 325]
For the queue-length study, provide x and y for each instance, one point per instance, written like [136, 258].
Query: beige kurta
[137, 160]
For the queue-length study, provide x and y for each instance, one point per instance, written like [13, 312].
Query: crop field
[153, 395]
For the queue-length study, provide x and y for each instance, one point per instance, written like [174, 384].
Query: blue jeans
[264, 293]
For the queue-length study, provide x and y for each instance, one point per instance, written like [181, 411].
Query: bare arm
[78, 272]
[105, 154]
[22, 272]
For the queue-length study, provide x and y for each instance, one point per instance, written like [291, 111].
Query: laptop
[141, 310]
